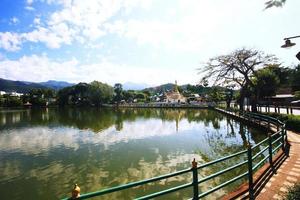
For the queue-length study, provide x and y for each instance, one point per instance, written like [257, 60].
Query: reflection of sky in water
[39, 139]
[47, 159]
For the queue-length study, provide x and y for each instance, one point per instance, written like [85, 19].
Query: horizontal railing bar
[260, 143]
[259, 163]
[278, 139]
[276, 148]
[222, 185]
[267, 117]
[221, 159]
[165, 191]
[130, 185]
[221, 172]
[276, 133]
[259, 153]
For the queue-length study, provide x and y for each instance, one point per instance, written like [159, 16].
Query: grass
[293, 192]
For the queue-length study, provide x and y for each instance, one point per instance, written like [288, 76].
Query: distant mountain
[134, 86]
[24, 86]
[18, 86]
[56, 85]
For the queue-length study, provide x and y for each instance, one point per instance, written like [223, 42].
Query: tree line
[255, 74]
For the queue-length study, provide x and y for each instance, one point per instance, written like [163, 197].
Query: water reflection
[46, 151]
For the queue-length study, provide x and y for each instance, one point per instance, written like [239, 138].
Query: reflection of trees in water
[98, 119]
[220, 146]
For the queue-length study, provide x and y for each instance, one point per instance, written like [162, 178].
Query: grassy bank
[292, 121]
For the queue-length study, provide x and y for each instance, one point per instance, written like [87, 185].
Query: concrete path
[287, 174]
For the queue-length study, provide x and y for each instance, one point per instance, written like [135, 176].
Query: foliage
[83, 94]
[297, 94]
[118, 92]
[237, 69]
[10, 101]
[292, 121]
[99, 93]
[216, 95]
[274, 3]
[265, 82]
[295, 77]
[293, 192]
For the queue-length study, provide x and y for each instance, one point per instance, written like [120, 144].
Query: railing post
[75, 192]
[282, 140]
[195, 180]
[270, 151]
[250, 172]
[285, 141]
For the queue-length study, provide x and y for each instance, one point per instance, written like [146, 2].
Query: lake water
[43, 152]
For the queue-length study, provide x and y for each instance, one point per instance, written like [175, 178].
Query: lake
[43, 152]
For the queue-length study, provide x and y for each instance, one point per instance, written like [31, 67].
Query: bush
[292, 121]
[293, 192]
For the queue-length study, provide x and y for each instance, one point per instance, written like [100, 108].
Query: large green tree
[95, 94]
[265, 83]
[100, 93]
[295, 79]
[118, 92]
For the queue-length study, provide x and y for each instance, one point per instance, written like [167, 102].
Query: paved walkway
[287, 174]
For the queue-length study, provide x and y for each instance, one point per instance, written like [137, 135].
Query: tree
[297, 94]
[118, 92]
[99, 93]
[274, 3]
[237, 69]
[93, 94]
[215, 95]
[228, 96]
[265, 82]
[295, 79]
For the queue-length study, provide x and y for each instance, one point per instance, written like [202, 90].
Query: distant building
[2, 92]
[174, 96]
[196, 98]
[15, 94]
[282, 98]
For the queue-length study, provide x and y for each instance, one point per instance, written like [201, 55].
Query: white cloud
[14, 20]
[195, 24]
[30, 8]
[29, 2]
[41, 68]
[10, 41]
[77, 20]
[37, 21]
[37, 68]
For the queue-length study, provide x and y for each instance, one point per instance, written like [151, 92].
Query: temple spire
[175, 87]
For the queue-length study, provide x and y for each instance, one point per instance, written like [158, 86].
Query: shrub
[292, 121]
[293, 192]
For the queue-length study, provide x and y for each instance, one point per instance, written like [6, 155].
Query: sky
[141, 41]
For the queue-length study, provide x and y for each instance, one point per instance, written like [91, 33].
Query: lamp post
[288, 43]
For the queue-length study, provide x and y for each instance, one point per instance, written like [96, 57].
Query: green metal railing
[266, 149]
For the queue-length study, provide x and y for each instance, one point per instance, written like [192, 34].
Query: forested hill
[24, 87]
[161, 88]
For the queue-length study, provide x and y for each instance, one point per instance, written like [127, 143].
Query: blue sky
[141, 41]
